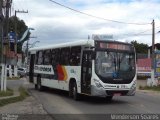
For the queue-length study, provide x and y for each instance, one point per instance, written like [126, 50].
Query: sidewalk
[144, 83]
[141, 83]
[28, 106]
[15, 92]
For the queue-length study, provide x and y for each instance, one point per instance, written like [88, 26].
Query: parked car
[12, 72]
[21, 72]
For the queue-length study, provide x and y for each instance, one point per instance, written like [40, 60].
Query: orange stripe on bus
[64, 73]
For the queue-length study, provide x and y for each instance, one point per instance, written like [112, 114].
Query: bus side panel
[65, 73]
[51, 83]
[35, 80]
[70, 72]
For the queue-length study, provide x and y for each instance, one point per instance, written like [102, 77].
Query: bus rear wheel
[38, 85]
[73, 91]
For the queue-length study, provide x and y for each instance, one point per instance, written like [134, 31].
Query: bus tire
[74, 92]
[109, 98]
[71, 87]
[35, 86]
[39, 86]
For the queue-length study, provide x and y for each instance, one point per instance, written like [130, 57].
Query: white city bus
[91, 67]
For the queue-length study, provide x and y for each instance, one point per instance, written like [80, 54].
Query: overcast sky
[56, 24]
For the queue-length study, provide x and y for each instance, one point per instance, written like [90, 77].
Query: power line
[96, 16]
[147, 30]
[140, 33]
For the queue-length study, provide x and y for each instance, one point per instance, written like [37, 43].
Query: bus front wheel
[109, 98]
[35, 86]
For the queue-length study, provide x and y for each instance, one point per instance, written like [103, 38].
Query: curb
[149, 91]
[15, 94]
[19, 96]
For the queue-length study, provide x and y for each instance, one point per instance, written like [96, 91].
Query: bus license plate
[117, 94]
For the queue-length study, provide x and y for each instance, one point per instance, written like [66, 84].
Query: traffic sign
[12, 36]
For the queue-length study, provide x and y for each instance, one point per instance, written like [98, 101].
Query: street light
[31, 29]
[33, 44]
[28, 39]
[28, 46]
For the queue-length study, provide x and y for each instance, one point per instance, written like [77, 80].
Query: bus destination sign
[102, 37]
[116, 46]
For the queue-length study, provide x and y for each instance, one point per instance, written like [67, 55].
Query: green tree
[140, 47]
[21, 28]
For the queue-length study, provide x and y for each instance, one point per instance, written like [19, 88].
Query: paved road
[58, 102]
[61, 106]
[15, 84]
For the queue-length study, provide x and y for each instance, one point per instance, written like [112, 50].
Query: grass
[22, 96]
[154, 88]
[8, 92]
[13, 78]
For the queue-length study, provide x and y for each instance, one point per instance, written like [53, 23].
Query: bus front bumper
[102, 92]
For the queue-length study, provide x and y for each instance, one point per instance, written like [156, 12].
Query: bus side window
[53, 57]
[28, 59]
[55, 54]
[36, 59]
[40, 58]
[47, 59]
[65, 53]
[75, 55]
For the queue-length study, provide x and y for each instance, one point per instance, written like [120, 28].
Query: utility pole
[27, 49]
[17, 11]
[4, 37]
[153, 54]
[1, 30]
[6, 28]
[1, 40]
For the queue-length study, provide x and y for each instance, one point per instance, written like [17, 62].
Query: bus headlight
[98, 84]
[134, 85]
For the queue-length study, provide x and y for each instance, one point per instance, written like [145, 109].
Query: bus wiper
[119, 62]
[115, 62]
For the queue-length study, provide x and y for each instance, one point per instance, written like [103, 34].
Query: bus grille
[112, 92]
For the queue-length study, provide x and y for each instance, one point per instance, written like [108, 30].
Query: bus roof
[62, 45]
[72, 44]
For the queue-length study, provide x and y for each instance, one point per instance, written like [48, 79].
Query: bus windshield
[115, 65]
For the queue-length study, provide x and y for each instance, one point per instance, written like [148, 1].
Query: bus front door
[86, 72]
[31, 68]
